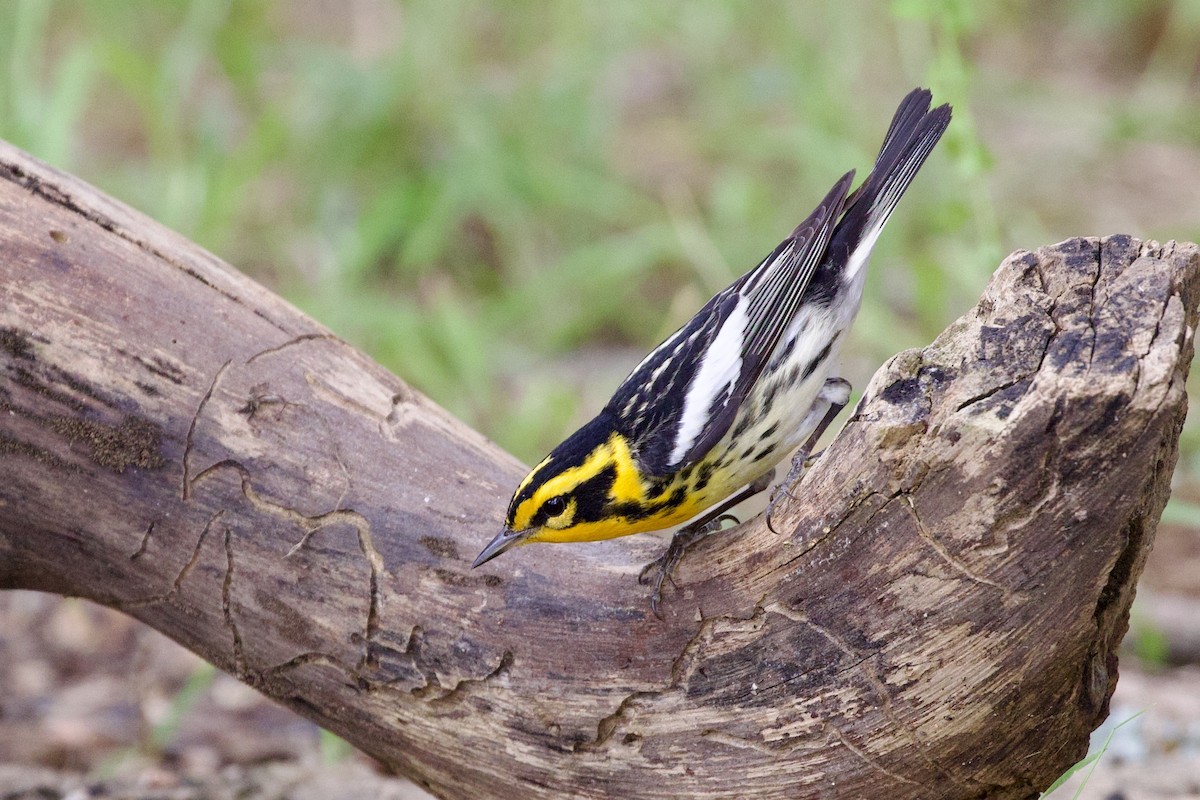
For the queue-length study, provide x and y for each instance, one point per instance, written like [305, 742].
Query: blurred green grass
[507, 204]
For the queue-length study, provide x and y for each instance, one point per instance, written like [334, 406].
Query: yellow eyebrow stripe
[627, 487]
[533, 472]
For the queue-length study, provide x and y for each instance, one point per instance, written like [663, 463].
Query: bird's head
[582, 492]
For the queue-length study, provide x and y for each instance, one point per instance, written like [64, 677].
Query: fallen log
[940, 616]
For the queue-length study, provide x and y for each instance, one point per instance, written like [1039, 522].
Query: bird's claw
[800, 464]
[779, 493]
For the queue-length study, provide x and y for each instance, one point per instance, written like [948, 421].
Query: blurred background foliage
[508, 203]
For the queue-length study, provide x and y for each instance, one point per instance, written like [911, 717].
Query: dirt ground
[95, 705]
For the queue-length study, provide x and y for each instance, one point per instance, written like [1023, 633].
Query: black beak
[504, 540]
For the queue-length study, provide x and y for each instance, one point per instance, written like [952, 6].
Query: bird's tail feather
[914, 132]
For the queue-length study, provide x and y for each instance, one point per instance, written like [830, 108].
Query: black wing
[684, 396]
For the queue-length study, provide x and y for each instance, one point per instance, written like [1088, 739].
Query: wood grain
[940, 619]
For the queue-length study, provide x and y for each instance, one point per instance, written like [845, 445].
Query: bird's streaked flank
[706, 416]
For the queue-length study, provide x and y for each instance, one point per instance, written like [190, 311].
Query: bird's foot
[801, 462]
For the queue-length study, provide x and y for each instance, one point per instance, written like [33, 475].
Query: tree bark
[939, 618]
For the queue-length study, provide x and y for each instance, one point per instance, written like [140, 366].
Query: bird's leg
[693, 532]
[830, 401]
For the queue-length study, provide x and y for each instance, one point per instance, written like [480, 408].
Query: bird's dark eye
[555, 506]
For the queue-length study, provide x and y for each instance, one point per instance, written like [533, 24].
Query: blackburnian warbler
[717, 405]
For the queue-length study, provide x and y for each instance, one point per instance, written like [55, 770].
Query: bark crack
[311, 525]
[871, 762]
[295, 340]
[239, 653]
[994, 390]
[1091, 326]
[432, 691]
[829, 530]
[177, 583]
[951, 560]
[681, 671]
[464, 685]
[145, 542]
[189, 441]
[774, 749]
[607, 725]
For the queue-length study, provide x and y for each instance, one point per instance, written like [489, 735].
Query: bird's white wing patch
[715, 378]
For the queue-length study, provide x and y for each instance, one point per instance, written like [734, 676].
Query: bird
[703, 420]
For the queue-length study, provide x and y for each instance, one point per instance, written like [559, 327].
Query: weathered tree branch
[942, 620]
